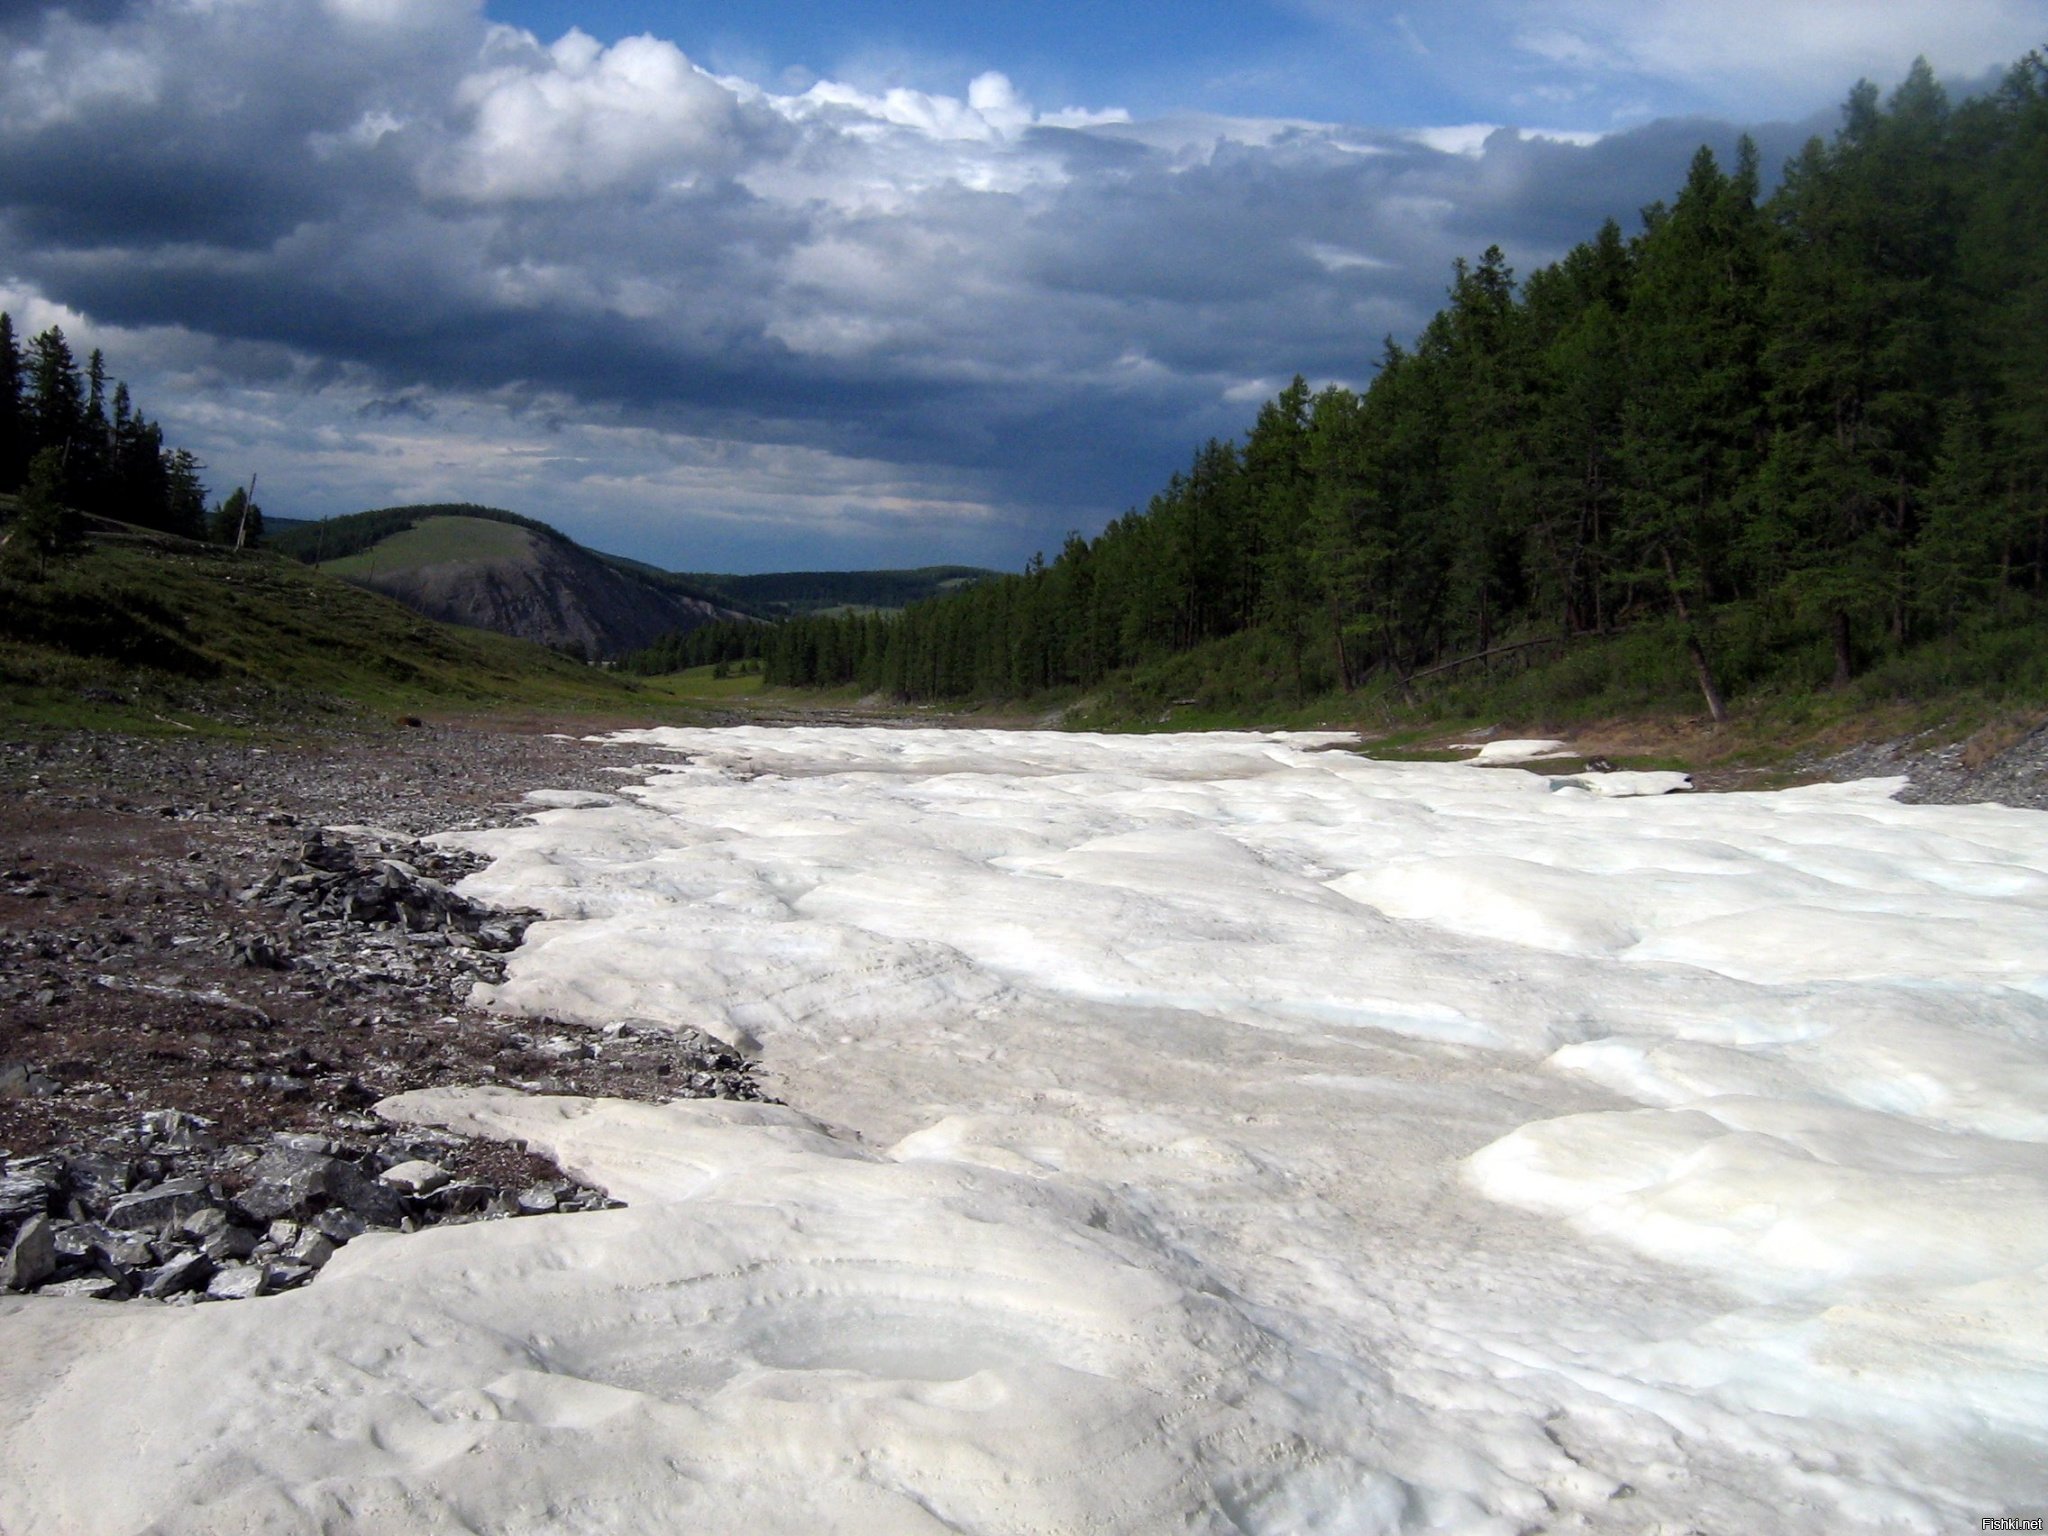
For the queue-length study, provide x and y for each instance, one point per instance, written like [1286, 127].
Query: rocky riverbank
[203, 990]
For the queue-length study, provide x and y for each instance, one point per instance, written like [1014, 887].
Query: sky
[831, 286]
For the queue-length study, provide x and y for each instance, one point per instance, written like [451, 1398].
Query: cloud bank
[385, 250]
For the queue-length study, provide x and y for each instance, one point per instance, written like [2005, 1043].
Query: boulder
[286, 1181]
[88, 1241]
[167, 1204]
[417, 1177]
[88, 1288]
[238, 1282]
[28, 1192]
[186, 1272]
[31, 1257]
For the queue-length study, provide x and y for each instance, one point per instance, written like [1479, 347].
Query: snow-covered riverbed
[1187, 1134]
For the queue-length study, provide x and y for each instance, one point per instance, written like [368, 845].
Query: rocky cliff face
[548, 592]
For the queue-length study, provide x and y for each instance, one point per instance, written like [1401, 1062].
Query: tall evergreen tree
[14, 426]
[45, 527]
[56, 395]
[1691, 427]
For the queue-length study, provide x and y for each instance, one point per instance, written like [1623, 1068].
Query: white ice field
[1188, 1134]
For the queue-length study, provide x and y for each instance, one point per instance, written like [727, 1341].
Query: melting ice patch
[1199, 1133]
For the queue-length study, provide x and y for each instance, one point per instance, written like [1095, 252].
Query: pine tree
[14, 429]
[45, 527]
[184, 495]
[1856, 362]
[56, 394]
[1690, 429]
[236, 522]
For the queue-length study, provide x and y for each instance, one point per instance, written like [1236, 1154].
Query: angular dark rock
[415, 1177]
[289, 1182]
[185, 1272]
[339, 1227]
[170, 1202]
[90, 1241]
[238, 1282]
[172, 1130]
[100, 1178]
[32, 1257]
[29, 1192]
[537, 1200]
[89, 1288]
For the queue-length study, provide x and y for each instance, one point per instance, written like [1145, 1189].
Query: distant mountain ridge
[799, 592]
[492, 569]
[496, 570]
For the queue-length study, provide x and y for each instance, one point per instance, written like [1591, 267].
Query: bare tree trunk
[1337, 635]
[1708, 688]
[1702, 668]
[242, 528]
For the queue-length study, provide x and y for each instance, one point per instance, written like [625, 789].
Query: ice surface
[1492, 752]
[1188, 1133]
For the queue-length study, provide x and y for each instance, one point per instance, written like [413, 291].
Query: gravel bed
[196, 976]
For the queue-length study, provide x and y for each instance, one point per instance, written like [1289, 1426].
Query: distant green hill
[491, 569]
[145, 627]
[336, 538]
[435, 541]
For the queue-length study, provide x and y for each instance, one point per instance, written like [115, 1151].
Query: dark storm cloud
[1035, 318]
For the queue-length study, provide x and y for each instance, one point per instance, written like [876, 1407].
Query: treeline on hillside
[803, 591]
[105, 456]
[1792, 435]
[708, 645]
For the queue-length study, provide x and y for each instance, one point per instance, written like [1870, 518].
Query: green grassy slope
[335, 538]
[433, 541]
[145, 631]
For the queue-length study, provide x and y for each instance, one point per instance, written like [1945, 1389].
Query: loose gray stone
[186, 1272]
[418, 1177]
[229, 1243]
[204, 1224]
[539, 1200]
[169, 1203]
[27, 1192]
[340, 1226]
[313, 1249]
[173, 1130]
[238, 1282]
[301, 1141]
[90, 1287]
[291, 1182]
[91, 1240]
[32, 1257]
[462, 1199]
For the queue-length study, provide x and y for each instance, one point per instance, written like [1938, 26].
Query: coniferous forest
[1772, 439]
[103, 455]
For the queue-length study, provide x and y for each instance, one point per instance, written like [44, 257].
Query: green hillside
[147, 631]
[336, 538]
[433, 541]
